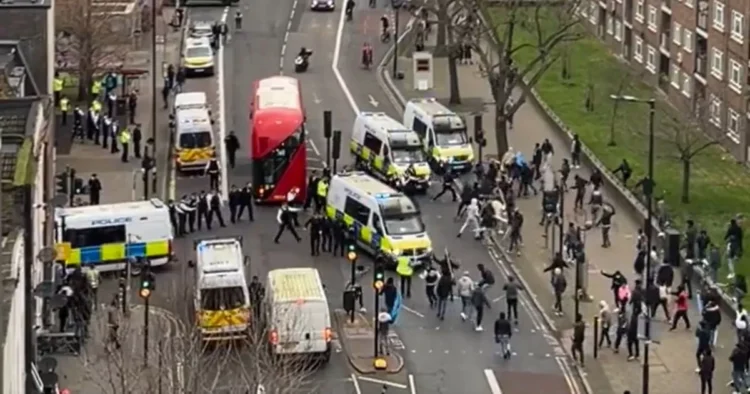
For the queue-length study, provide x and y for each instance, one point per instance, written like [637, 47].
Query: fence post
[596, 336]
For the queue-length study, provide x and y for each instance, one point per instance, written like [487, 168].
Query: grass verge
[719, 187]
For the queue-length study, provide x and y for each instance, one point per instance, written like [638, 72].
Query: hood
[421, 169]
[453, 151]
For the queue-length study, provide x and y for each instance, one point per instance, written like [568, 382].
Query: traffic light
[147, 284]
[61, 182]
[378, 279]
[352, 254]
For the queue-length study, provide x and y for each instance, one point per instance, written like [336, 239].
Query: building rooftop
[15, 80]
[24, 3]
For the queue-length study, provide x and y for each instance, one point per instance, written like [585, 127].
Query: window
[639, 11]
[357, 210]
[651, 60]
[618, 30]
[677, 34]
[96, 236]
[675, 77]
[593, 12]
[269, 169]
[718, 16]
[733, 126]
[686, 84]
[715, 111]
[687, 40]
[419, 127]
[717, 63]
[735, 76]
[373, 143]
[197, 140]
[638, 53]
[610, 25]
[222, 298]
[652, 18]
[738, 27]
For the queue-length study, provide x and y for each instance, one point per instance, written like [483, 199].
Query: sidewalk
[672, 362]
[357, 340]
[117, 178]
[102, 369]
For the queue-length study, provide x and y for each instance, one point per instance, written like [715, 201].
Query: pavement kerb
[369, 371]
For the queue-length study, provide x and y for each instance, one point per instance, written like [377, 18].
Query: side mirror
[191, 263]
[247, 260]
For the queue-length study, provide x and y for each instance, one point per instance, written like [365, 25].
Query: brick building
[696, 51]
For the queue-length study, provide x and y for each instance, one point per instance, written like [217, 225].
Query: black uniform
[212, 170]
[580, 187]
[338, 233]
[202, 206]
[95, 189]
[284, 218]
[312, 190]
[184, 210]
[173, 217]
[327, 235]
[316, 227]
[448, 178]
[232, 145]
[214, 205]
[192, 213]
[235, 201]
[246, 202]
[137, 136]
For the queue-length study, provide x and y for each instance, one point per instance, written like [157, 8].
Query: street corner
[357, 339]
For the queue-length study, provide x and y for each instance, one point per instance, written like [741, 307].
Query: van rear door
[302, 327]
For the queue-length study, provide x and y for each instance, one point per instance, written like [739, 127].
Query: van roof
[363, 182]
[383, 122]
[190, 100]
[296, 284]
[217, 256]
[193, 120]
[144, 208]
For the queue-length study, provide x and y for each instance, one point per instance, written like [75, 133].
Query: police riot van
[443, 133]
[385, 149]
[194, 139]
[109, 235]
[222, 298]
[191, 100]
[298, 317]
[383, 219]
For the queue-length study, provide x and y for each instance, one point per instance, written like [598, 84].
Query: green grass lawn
[720, 188]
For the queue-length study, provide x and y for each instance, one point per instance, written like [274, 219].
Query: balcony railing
[701, 63]
[664, 40]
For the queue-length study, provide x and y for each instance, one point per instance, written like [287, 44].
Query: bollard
[596, 336]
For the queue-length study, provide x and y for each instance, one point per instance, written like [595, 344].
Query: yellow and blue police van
[383, 219]
[194, 138]
[108, 236]
[443, 133]
[222, 299]
[385, 149]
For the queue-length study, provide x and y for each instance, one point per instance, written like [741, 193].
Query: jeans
[466, 306]
[738, 381]
[441, 305]
[503, 341]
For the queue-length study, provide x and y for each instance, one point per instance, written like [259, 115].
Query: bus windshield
[201, 139]
[408, 155]
[222, 298]
[404, 224]
[447, 135]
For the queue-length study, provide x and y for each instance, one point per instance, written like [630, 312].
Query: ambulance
[385, 148]
[221, 299]
[443, 133]
[383, 219]
[194, 135]
[298, 316]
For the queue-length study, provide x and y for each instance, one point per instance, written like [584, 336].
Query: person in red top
[682, 308]
[366, 55]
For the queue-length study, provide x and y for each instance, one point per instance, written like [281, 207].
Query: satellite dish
[58, 301]
[47, 254]
[47, 364]
[45, 289]
[59, 200]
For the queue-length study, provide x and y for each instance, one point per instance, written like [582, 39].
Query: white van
[191, 100]
[442, 131]
[222, 298]
[299, 321]
[108, 235]
[194, 140]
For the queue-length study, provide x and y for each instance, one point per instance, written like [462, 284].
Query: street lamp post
[396, 4]
[648, 189]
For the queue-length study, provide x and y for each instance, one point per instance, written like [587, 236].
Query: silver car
[201, 29]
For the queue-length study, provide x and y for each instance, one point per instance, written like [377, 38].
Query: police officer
[114, 132]
[64, 108]
[448, 179]
[290, 197]
[235, 201]
[246, 202]
[238, 20]
[321, 193]
[184, 210]
[202, 207]
[212, 170]
[316, 227]
[173, 217]
[96, 89]
[284, 218]
[125, 142]
[326, 234]
[57, 87]
[192, 203]
[338, 233]
[214, 205]
[111, 101]
[137, 137]
[95, 189]
[404, 271]
[107, 126]
[232, 145]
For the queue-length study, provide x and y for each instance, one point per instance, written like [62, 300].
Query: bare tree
[448, 13]
[625, 84]
[551, 23]
[90, 38]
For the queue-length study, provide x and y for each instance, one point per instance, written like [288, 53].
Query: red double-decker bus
[278, 140]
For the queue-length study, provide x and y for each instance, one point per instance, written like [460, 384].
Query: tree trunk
[501, 130]
[455, 94]
[442, 27]
[685, 198]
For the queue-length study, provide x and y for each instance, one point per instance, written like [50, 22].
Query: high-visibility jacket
[64, 104]
[403, 268]
[96, 106]
[92, 276]
[57, 84]
[125, 136]
[96, 87]
[322, 188]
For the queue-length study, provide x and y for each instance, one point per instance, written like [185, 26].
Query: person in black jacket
[579, 334]
[617, 280]
[634, 348]
[232, 145]
[235, 201]
[203, 210]
[246, 202]
[503, 333]
[444, 290]
[214, 205]
[706, 366]
[448, 179]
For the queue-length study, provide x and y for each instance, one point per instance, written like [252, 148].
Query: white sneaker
[479, 329]
[697, 370]
[463, 316]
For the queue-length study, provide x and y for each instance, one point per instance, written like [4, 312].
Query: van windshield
[404, 224]
[408, 155]
[222, 298]
[198, 52]
[201, 139]
[451, 136]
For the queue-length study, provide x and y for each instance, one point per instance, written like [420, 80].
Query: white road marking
[383, 382]
[412, 386]
[357, 390]
[315, 148]
[335, 63]
[222, 119]
[316, 99]
[286, 38]
[373, 102]
[498, 299]
[568, 373]
[492, 381]
[412, 311]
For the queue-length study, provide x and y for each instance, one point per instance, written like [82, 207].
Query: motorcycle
[301, 63]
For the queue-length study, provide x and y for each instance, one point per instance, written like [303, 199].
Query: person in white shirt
[92, 276]
[384, 323]
[472, 216]
[465, 286]
[293, 209]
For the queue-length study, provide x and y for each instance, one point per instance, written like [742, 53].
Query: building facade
[695, 51]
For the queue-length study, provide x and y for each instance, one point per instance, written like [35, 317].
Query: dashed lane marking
[492, 381]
